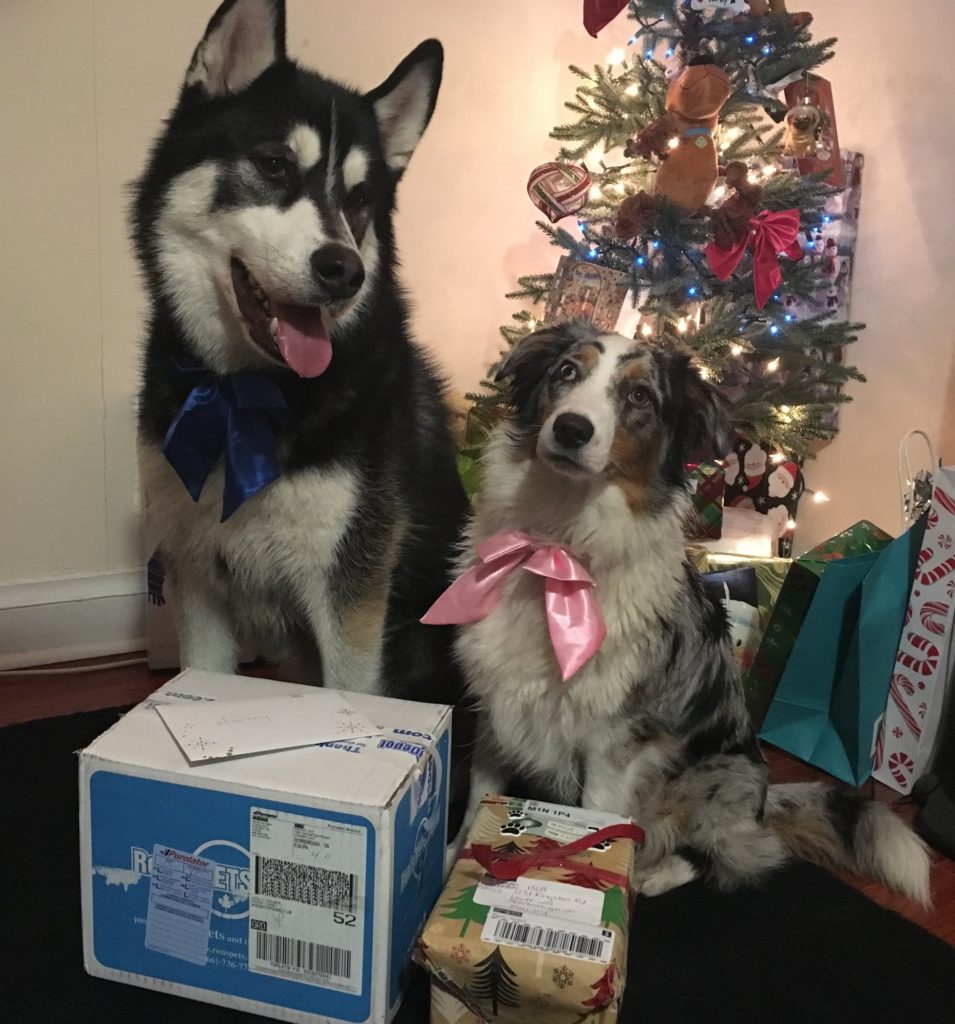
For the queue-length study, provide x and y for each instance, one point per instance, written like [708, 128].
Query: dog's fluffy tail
[839, 828]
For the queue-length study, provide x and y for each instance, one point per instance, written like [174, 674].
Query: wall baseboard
[48, 621]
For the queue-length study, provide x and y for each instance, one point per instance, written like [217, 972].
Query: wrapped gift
[922, 671]
[707, 484]
[755, 481]
[792, 606]
[587, 291]
[533, 922]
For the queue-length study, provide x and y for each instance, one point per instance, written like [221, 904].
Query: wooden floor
[24, 698]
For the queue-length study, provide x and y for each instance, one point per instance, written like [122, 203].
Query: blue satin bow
[234, 416]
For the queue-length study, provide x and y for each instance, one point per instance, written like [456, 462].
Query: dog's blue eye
[639, 397]
[273, 167]
[567, 371]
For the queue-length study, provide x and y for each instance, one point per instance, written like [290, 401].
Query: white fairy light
[646, 330]
[820, 497]
[615, 56]
[704, 373]
[772, 366]
[596, 155]
[632, 90]
[595, 192]
[752, 178]
[791, 524]
[769, 170]
[674, 142]
[736, 350]
[682, 325]
[776, 458]
[784, 408]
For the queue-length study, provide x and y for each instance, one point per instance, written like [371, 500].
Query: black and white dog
[591, 460]
[293, 441]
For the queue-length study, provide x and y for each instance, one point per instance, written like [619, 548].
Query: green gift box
[792, 607]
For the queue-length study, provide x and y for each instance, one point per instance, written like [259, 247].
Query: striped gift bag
[923, 666]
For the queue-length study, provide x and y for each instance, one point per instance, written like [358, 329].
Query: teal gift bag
[836, 682]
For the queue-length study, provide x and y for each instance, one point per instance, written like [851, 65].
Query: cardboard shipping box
[291, 883]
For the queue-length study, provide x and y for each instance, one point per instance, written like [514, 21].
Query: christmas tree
[693, 272]
[494, 983]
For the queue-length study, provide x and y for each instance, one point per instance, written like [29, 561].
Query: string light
[736, 350]
[682, 325]
[646, 330]
[704, 373]
[791, 524]
[776, 458]
[595, 192]
[674, 142]
[639, 261]
[820, 497]
[769, 170]
[615, 56]
[772, 366]
[750, 40]
[774, 329]
[784, 409]
[632, 90]
[691, 291]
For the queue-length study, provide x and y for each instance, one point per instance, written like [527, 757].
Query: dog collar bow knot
[574, 620]
[769, 234]
[235, 417]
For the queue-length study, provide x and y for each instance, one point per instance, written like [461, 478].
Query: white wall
[84, 86]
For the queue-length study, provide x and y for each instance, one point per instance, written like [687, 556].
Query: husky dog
[653, 726]
[293, 441]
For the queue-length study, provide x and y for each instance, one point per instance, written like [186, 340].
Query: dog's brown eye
[567, 371]
[639, 397]
[273, 167]
[358, 198]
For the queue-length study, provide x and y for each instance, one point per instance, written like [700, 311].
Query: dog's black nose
[572, 430]
[338, 269]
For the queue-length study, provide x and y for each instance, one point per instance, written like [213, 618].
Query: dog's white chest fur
[282, 541]
[508, 656]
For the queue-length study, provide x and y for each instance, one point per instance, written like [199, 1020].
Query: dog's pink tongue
[303, 340]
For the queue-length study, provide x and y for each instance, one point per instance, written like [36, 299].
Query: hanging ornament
[683, 138]
[803, 126]
[599, 13]
[812, 96]
[559, 190]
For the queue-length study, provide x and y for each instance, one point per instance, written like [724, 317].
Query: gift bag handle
[915, 488]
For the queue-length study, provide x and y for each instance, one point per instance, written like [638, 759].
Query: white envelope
[221, 729]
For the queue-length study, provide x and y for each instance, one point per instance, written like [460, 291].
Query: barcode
[296, 954]
[305, 883]
[551, 940]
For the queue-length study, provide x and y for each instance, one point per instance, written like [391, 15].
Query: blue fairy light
[649, 54]
[774, 329]
[639, 261]
[670, 52]
[826, 219]
[691, 291]
[788, 317]
[750, 40]
[656, 244]
[767, 50]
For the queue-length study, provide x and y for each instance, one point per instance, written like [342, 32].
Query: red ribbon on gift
[509, 866]
[770, 235]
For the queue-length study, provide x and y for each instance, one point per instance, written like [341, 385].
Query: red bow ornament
[770, 235]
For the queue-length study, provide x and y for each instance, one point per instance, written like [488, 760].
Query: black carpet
[805, 948]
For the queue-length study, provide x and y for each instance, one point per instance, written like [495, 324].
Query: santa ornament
[559, 190]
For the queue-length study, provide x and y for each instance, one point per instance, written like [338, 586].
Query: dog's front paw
[670, 873]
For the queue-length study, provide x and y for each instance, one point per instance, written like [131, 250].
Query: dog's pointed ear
[404, 102]
[707, 430]
[243, 39]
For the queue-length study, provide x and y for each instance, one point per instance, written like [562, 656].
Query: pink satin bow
[769, 234]
[576, 625]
